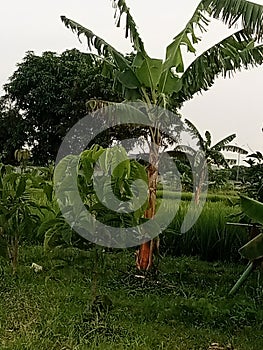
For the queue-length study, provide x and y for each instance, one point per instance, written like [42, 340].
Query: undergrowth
[185, 306]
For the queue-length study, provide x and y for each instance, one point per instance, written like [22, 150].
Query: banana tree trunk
[199, 187]
[147, 250]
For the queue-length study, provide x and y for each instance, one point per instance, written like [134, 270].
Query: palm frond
[222, 143]
[186, 37]
[130, 28]
[228, 56]
[231, 11]
[231, 161]
[217, 158]
[250, 162]
[208, 138]
[193, 130]
[125, 73]
[182, 150]
[235, 149]
[103, 48]
[258, 155]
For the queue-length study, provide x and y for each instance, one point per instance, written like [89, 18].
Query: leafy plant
[253, 250]
[114, 176]
[167, 83]
[19, 213]
[253, 178]
[213, 153]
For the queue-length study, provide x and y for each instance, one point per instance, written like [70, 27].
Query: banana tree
[168, 83]
[253, 250]
[213, 153]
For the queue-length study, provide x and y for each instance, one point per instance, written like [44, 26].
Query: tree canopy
[168, 82]
[46, 96]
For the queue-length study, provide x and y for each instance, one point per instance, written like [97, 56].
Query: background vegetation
[59, 291]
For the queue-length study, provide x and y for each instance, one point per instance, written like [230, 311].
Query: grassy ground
[185, 307]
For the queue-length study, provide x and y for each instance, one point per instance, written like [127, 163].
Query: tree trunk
[199, 187]
[197, 193]
[145, 254]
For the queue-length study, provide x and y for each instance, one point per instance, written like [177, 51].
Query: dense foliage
[45, 97]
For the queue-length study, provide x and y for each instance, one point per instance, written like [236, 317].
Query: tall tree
[49, 94]
[167, 83]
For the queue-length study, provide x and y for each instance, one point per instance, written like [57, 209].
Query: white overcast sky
[230, 106]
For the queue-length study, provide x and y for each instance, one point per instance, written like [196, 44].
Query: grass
[210, 237]
[228, 196]
[185, 307]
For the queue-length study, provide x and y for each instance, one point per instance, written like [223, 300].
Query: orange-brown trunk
[144, 256]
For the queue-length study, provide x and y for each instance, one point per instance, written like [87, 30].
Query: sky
[230, 106]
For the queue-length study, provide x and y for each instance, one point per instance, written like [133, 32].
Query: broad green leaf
[138, 60]
[49, 235]
[224, 142]
[130, 28]
[48, 190]
[228, 56]
[132, 95]
[236, 149]
[104, 162]
[122, 170]
[64, 170]
[66, 235]
[128, 79]
[170, 83]
[129, 113]
[253, 250]
[149, 72]
[243, 278]
[21, 186]
[120, 164]
[174, 58]
[96, 151]
[120, 60]
[138, 171]
[252, 208]
[45, 226]
[107, 69]
[104, 49]
[58, 230]
[185, 38]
